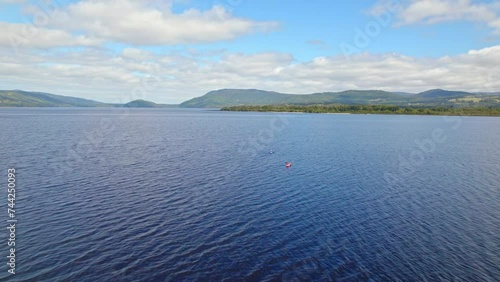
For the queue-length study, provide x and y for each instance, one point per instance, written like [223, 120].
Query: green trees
[370, 109]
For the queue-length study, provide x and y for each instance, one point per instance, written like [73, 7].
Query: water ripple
[170, 196]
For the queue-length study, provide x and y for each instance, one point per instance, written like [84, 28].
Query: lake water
[203, 195]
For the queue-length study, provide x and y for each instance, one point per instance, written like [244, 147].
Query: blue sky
[102, 49]
[333, 22]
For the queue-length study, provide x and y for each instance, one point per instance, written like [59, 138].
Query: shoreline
[437, 110]
[388, 114]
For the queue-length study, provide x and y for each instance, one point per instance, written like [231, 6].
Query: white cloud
[103, 74]
[13, 1]
[139, 23]
[136, 54]
[435, 11]
[146, 23]
[97, 74]
[26, 35]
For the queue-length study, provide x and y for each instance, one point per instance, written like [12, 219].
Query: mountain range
[20, 98]
[237, 97]
[435, 97]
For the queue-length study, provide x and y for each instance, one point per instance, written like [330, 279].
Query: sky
[169, 51]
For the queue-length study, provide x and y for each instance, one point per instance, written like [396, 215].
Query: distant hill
[147, 104]
[248, 97]
[404, 93]
[19, 98]
[221, 98]
[374, 97]
[440, 93]
[254, 97]
[140, 104]
[235, 97]
[488, 93]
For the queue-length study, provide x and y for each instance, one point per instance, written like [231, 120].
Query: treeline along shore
[371, 109]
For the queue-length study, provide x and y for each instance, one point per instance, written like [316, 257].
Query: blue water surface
[204, 195]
